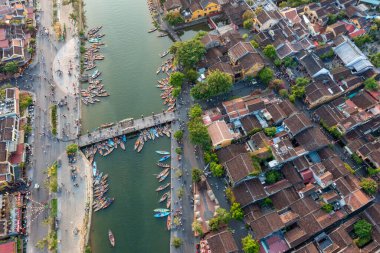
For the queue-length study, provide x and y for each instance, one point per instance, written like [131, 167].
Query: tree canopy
[217, 170]
[266, 75]
[217, 82]
[71, 149]
[270, 131]
[195, 111]
[188, 53]
[176, 79]
[272, 176]
[363, 229]
[250, 245]
[178, 135]
[11, 67]
[375, 59]
[371, 84]
[236, 211]
[174, 18]
[196, 174]
[199, 134]
[369, 185]
[270, 51]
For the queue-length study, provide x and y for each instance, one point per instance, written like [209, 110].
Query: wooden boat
[164, 54]
[137, 143]
[168, 202]
[122, 146]
[140, 147]
[163, 177]
[163, 165]
[164, 197]
[160, 152]
[163, 173]
[162, 35]
[161, 210]
[111, 238]
[162, 187]
[152, 30]
[169, 222]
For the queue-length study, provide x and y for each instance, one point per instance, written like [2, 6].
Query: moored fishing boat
[163, 165]
[94, 169]
[164, 158]
[162, 187]
[169, 222]
[160, 152]
[164, 197]
[163, 177]
[122, 146]
[161, 210]
[168, 201]
[164, 54]
[111, 238]
[152, 30]
[160, 215]
[163, 172]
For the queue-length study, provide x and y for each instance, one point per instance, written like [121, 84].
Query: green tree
[71, 149]
[217, 170]
[276, 84]
[178, 135]
[302, 81]
[174, 18]
[266, 75]
[199, 134]
[283, 93]
[247, 24]
[197, 227]
[327, 208]
[248, 14]
[195, 112]
[250, 245]
[11, 67]
[363, 229]
[272, 176]
[176, 79]
[270, 131]
[217, 82]
[176, 91]
[375, 59]
[270, 52]
[371, 84]
[267, 202]
[223, 215]
[369, 186]
[178, 150]
[210, 157]
[196, 175]
[191, 75]
[214, 224]
[236, 211]
[188, 53]
[254, 43]
[289, 62]
[177, 242]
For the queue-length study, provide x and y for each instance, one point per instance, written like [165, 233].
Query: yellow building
[203, 8]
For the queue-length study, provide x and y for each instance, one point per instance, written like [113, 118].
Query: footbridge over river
[126, 126]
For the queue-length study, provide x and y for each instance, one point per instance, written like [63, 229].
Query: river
[128, 73]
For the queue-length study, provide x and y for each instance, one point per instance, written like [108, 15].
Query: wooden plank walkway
[127, 126]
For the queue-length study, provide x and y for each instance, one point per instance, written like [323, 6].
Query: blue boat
[94, 169]
[124, 138]
[152, 135]
[164, 158]
[110, 143]
[162, 214]
[155, 132]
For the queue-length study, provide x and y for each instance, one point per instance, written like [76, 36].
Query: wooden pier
[126, 126]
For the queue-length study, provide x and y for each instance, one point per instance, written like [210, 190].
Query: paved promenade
[126, 126]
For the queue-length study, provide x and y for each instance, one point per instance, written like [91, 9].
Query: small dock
[126, 126]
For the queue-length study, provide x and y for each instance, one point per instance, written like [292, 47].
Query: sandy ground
[72, 203]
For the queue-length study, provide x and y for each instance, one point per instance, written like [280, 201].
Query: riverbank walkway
[126, 126]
